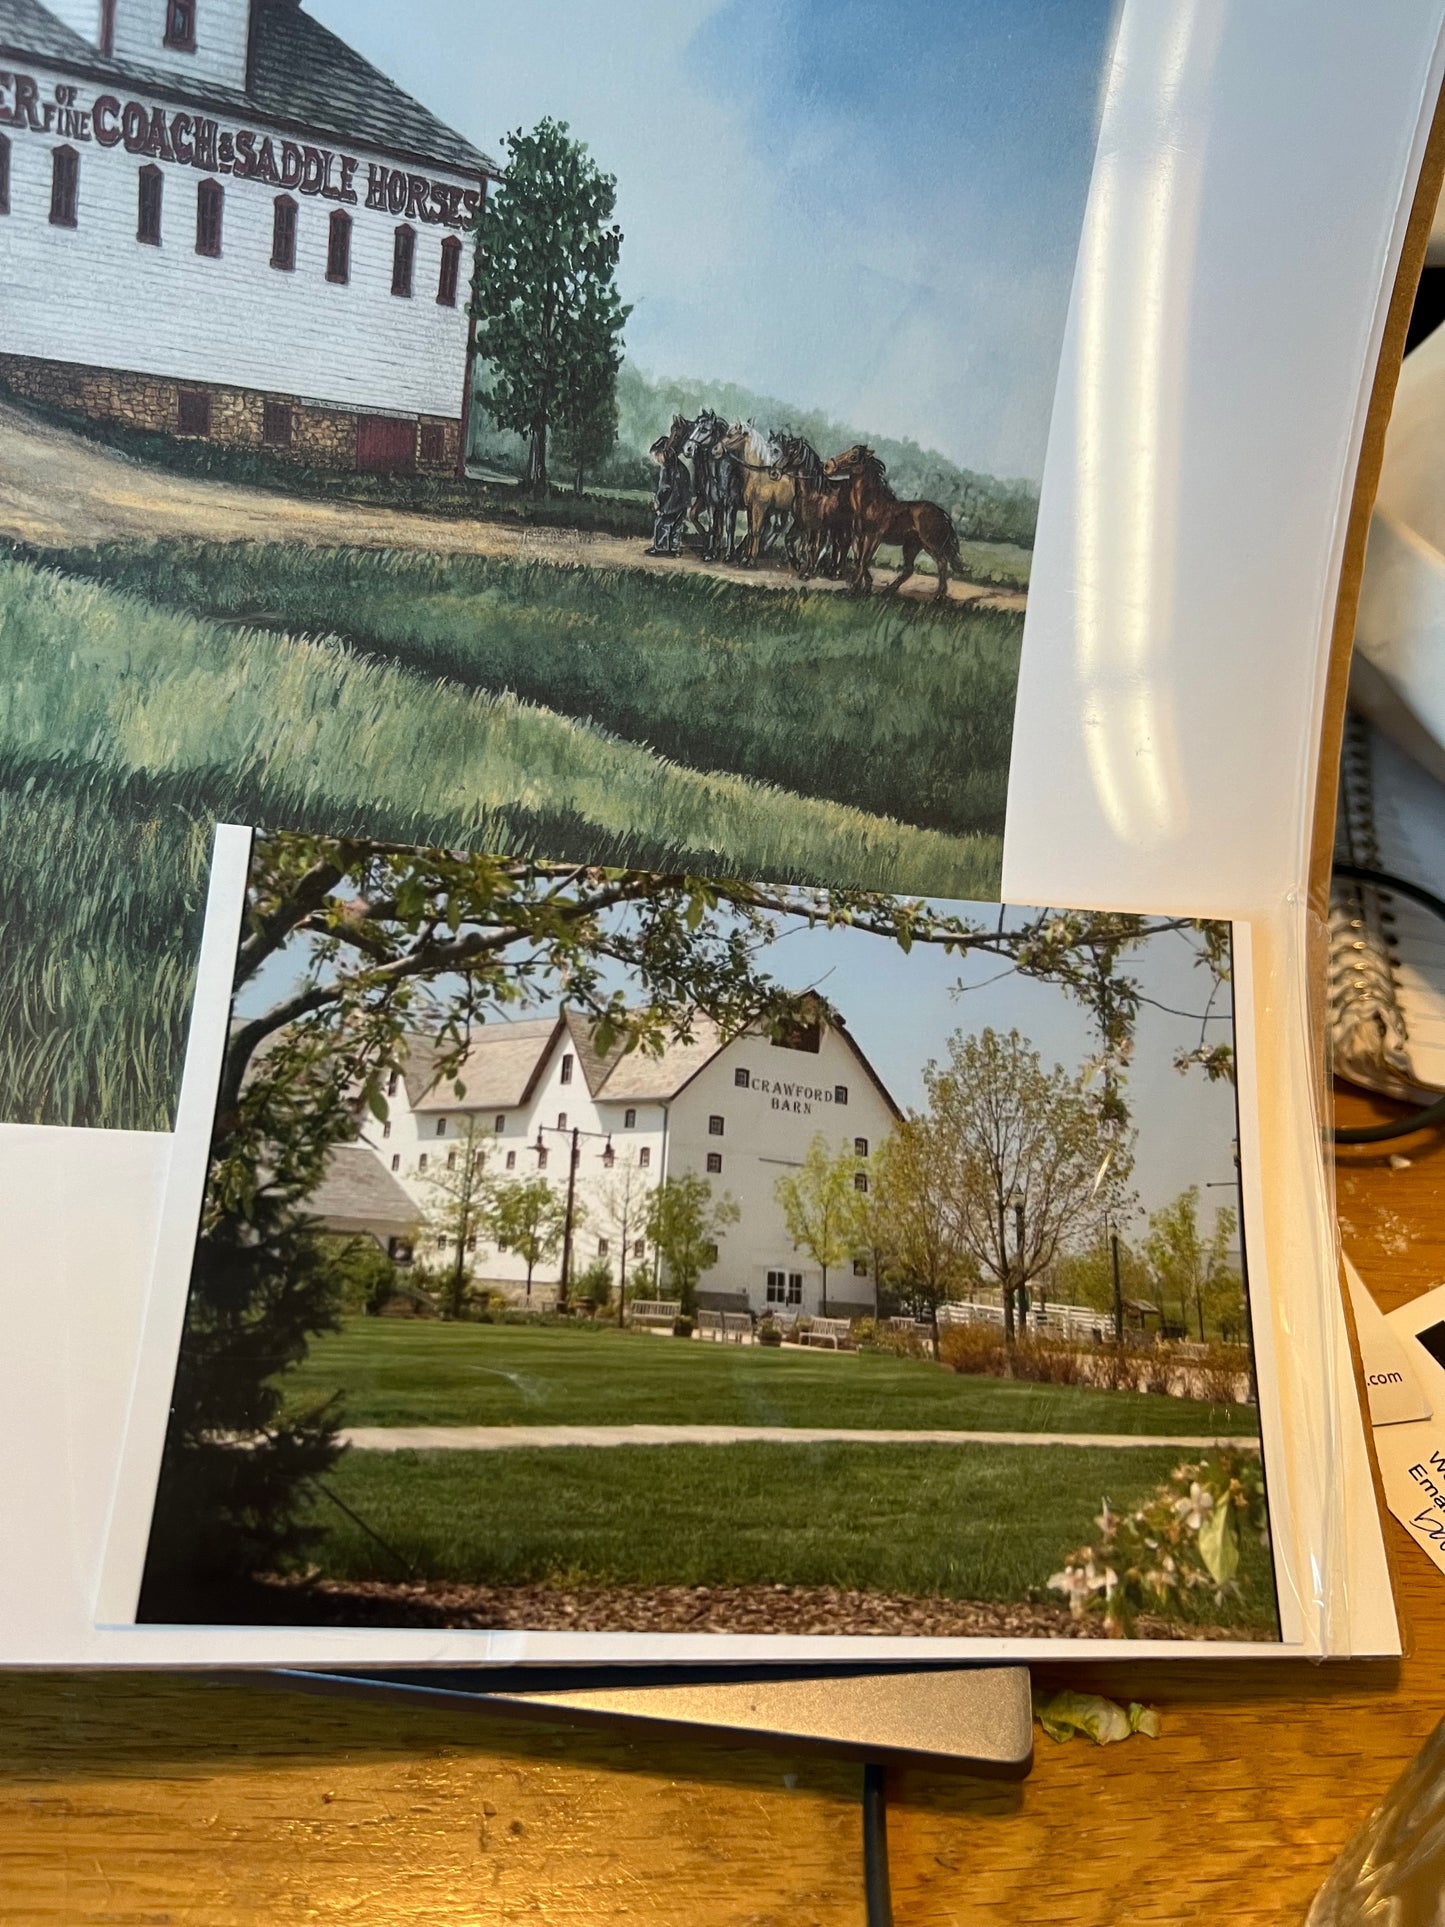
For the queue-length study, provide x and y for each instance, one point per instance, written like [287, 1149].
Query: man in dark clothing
[674, 492]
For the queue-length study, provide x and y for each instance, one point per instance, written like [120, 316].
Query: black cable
[1431, 1113]
[877, 1899]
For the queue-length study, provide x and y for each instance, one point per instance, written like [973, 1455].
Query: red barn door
[384, 444]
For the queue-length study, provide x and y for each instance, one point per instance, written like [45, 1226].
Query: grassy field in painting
[389, 1372]
[899, 711]
[127, 728]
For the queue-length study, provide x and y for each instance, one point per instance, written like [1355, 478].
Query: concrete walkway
[512, 1438]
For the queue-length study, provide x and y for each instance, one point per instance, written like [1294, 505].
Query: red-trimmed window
[210, 207]
[181, 25]
[283, 233]
[338, 247]
[64, 187]
[148, 206]
[403, 260]
[451, 274]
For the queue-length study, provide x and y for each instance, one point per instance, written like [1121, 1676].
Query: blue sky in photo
[866, 206]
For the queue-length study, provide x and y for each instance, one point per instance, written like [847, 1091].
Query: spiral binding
[1369, 1038]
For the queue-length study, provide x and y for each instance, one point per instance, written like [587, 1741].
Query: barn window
[403, 260]
[840, 1093]
[714, 1164]
[386, 1129]
[451, 1160]
[639, 1249]
[441, 1130]
[709, 1254]
[566, 1075]
[629, 1120]
[500, 1125]
[422, 1162]
[181, 25]
[511, 1160]
[64, 186]
[860, 1147]
[4, 175]
[396, 1161]
[276, 433]
[714, 1126]
[338, 247]
[603, 1247]
[283, 233]
[210, 202]
[743, 1079]
[860, 1267]
[434, 453]
[148, 206]
[193, 412]
[451, 274]
[644, 1157]
[860, 1181]
[393, 1078]
[561, 1120]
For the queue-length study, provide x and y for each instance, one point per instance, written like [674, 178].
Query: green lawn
[393, 1373]
[987, 1523]
[898, 710]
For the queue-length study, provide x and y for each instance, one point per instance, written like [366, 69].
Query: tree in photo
[623, 1204]
[1023, 1157]
[823, 1206]
[1191, 1266]
[458, 1210]
[684, 1223]
[587, 420]
[549, 317]
[527, 1217]
[911, 1221]
[1086, 1276]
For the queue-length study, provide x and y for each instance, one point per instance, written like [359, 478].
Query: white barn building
[219, 222]
[740, 1114]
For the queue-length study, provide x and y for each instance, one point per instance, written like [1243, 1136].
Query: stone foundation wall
[320, 437]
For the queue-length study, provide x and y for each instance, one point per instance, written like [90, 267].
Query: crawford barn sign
[245, 153]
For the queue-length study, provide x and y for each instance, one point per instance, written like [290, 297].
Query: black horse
[719, 483]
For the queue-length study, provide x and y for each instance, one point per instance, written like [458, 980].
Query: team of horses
[832, 516]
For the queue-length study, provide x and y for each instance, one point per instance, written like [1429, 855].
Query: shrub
[594, 1285]
[769, 1332]
[1161, 1368]
[1051, 1361]
[1223, 1374]
[1113, 1368]
[977, 1351]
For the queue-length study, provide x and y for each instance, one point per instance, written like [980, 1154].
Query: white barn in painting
[219, 222]
[740, 1114]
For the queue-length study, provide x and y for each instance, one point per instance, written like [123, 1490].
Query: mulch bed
[812, 1610]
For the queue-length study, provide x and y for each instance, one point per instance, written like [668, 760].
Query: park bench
[710, 1325]
[737, 1325]
[654, 1311]
[827, 1331]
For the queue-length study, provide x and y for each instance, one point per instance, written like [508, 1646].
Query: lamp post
[1017, 1201]
[576, 1135]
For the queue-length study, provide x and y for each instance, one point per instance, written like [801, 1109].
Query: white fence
[1059, 1321]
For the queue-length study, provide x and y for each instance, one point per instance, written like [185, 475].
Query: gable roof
[302, 76]
[358, 1190]
[505, 1061]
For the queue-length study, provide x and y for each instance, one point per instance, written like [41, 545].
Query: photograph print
[609, 434]
[610, 1250]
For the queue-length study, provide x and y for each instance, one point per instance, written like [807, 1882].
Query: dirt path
[58, 490]
[512, 1438]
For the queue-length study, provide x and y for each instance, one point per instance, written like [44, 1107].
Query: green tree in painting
[1192, 1266]
[587, 420]
[527, 1217]
[684, 1222]
[458, 1210]
[549, 317]
[824, 1207]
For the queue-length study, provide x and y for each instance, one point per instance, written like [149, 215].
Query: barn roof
[359, 1192]
[302, 77]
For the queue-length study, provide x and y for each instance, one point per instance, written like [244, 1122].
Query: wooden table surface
[132, 1799]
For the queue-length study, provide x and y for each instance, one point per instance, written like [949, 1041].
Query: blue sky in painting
[868, 206]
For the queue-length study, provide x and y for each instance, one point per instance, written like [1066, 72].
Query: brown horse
[823, 515]
[879, 516]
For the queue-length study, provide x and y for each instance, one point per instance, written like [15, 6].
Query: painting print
[609, 435]
[601, 1250]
